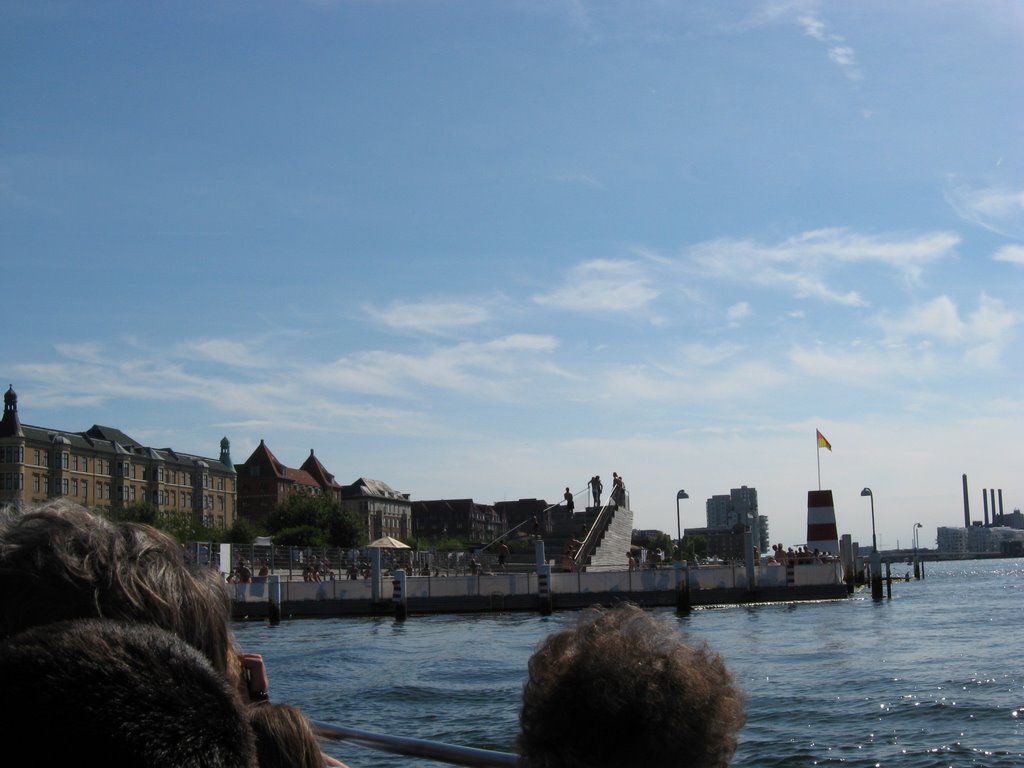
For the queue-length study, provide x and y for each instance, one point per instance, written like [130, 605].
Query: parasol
[387, 542]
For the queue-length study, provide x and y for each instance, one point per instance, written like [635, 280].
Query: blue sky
[490, 249]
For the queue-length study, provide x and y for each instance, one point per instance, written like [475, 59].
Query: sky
[488, 250]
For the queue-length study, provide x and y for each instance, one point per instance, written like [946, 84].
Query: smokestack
[1000, 506]
[984, 498]
[967, 505]
[992, 493]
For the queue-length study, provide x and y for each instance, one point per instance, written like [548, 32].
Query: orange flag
[822, 442]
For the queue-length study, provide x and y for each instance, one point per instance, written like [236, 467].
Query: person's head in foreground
[620, 687]
[119, 693]
[284, 737]
[59, 560]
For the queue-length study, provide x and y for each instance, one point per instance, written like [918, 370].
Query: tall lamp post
[917, 567]
[679, 530]
[876, 559]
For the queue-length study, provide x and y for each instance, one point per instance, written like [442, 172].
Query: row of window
[15, 455]
[13, 481]
[11, 454]
[68, 487]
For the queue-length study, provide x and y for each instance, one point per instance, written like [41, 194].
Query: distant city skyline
[489, 250]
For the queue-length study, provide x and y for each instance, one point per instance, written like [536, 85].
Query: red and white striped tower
[822, 533]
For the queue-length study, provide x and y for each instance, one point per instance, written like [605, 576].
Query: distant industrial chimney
[984, 498]
[967, 505]
[1000, 506]
[992, 495]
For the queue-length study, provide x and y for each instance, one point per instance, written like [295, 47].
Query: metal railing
[432, 750]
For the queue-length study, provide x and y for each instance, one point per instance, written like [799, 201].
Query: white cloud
[861, 366]
[982, 336]
[601, 286]
[844, 57]
[816, 28]
[800, 263]
[223, 351]
[735, 383]
[430, 317]
[998, 209]
[940, 319]
[704, 355]
[1013, 254]
[495, 369]
[806, 15]
[992, 321]
[86, 352]
[738, 311]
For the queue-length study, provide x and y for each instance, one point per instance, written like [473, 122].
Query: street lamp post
[876, 559]
[917, 567]
[874, 540]
[679, 531]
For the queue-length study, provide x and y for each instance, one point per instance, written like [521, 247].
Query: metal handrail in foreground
[432, 750]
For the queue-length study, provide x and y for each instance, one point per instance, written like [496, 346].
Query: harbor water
[932, 677]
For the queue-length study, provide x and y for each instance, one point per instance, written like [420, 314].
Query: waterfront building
[738, 507]
[383, 510]
[647, 534]
[980, 539]
[951, 540]
[457, 519]
[518, 515]
[727, 544]
[105, 468]
[1013, 520]
[264, 482]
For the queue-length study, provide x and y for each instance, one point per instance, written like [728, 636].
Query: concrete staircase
[603, 548]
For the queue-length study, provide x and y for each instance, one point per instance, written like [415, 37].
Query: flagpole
[818, 451]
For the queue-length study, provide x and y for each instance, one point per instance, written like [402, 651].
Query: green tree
[184, 526]
[344, 528]
[300, 508]
[136, 512]
[242, 531]
[658, 540]
[694, 548]
[443, 544]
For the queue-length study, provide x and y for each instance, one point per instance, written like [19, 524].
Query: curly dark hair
[620, 687]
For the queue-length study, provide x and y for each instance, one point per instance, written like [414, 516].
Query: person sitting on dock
[621, 671]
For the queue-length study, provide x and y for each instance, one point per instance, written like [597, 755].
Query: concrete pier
[679, 587]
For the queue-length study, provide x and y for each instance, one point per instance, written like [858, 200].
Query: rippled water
[932, 677]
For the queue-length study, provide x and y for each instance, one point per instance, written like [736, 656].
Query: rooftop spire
[10, 425]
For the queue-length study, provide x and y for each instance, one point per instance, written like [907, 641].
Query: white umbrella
[387, 542]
